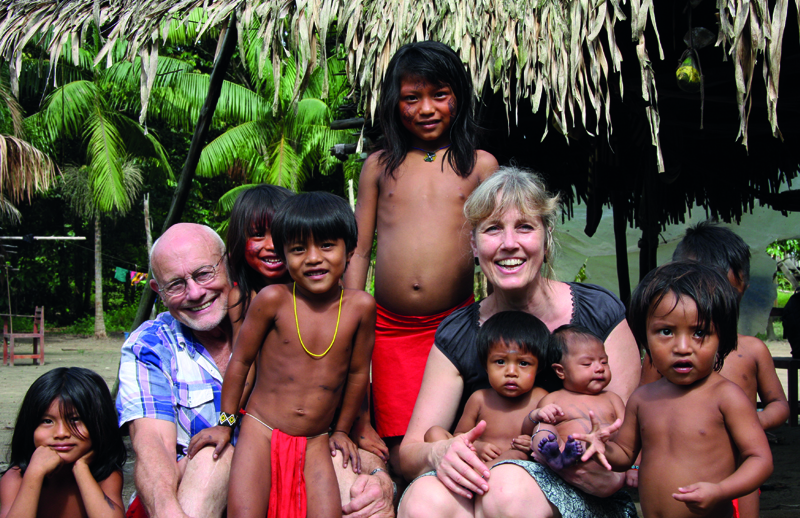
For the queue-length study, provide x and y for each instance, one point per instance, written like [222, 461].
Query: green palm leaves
[80, 111]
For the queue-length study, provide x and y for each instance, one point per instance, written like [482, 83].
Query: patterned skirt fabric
[571, 501]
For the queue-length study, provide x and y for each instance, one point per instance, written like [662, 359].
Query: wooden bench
[9, 339]
[791, 365]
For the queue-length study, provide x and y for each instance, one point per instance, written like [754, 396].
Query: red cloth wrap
[735, 503]
[287, 495]
[402, 345]
[136, 509]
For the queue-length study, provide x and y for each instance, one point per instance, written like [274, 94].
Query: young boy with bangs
[700, 440]
[313, 341]
[750, 366]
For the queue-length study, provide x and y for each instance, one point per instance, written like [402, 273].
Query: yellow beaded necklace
[297, 323]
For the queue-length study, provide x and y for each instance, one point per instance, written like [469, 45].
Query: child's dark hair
[718, 246]
[317, 215]
[514, 327]
[438, 64]
[560, 339]
[80, 391]
[251, 215]
[715, 298]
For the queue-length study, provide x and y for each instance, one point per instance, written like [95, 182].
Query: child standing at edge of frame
[513, 346]
[413, 191]
[313, 340]
[684, 315]
[751, 367]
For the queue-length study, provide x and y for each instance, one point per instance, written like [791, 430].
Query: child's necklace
[430, 156]
[297, 323]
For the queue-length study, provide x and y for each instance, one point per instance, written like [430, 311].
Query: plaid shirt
[165, 373]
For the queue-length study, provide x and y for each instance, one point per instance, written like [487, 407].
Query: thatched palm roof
[560, 54]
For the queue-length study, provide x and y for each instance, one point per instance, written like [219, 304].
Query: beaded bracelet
[229, 420]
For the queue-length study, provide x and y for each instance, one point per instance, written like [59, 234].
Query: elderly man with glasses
[170, 384]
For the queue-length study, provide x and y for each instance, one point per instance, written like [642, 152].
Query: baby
[511, 345]
[701, 442]
[583, 368]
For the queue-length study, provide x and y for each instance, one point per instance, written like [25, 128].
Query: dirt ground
[780, 494]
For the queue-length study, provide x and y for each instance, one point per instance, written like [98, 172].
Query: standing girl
[252, 260]
[412, 192]
[66, 451]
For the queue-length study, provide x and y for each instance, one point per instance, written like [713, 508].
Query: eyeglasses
[201, 277]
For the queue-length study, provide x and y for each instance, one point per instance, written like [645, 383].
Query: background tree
[79, 191]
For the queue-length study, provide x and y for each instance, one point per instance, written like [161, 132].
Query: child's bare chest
[424, 190]
[61, 502]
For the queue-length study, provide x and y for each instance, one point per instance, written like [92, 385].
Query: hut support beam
[193, 156]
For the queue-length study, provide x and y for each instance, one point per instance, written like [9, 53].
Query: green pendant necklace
[430, 156]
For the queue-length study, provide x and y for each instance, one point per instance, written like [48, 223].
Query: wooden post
[619, 208]
[195, 148]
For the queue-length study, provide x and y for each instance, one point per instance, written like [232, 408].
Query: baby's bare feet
[572, 452]
[548, 447]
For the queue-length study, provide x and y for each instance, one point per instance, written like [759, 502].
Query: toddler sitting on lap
[512, 345]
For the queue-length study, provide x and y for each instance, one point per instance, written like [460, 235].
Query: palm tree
[269, 136]
[78, 190]
[284, 144]
[80, 112]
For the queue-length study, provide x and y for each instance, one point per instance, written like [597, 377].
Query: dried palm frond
[747, 29]
[24, 170]
[561, 51]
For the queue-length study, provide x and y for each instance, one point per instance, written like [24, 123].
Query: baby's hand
[219, 436]
[486, 450]
[597, 439]
[45, 461]
[698, 497]
[547, 414]
[522, 443]
[632, 478]
[340, 441]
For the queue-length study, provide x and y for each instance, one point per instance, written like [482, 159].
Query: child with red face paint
[252, 260]
[412, 191]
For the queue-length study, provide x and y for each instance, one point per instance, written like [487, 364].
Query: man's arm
[366, 214]
[156, 473]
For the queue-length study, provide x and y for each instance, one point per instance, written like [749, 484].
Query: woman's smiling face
[511, 248]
